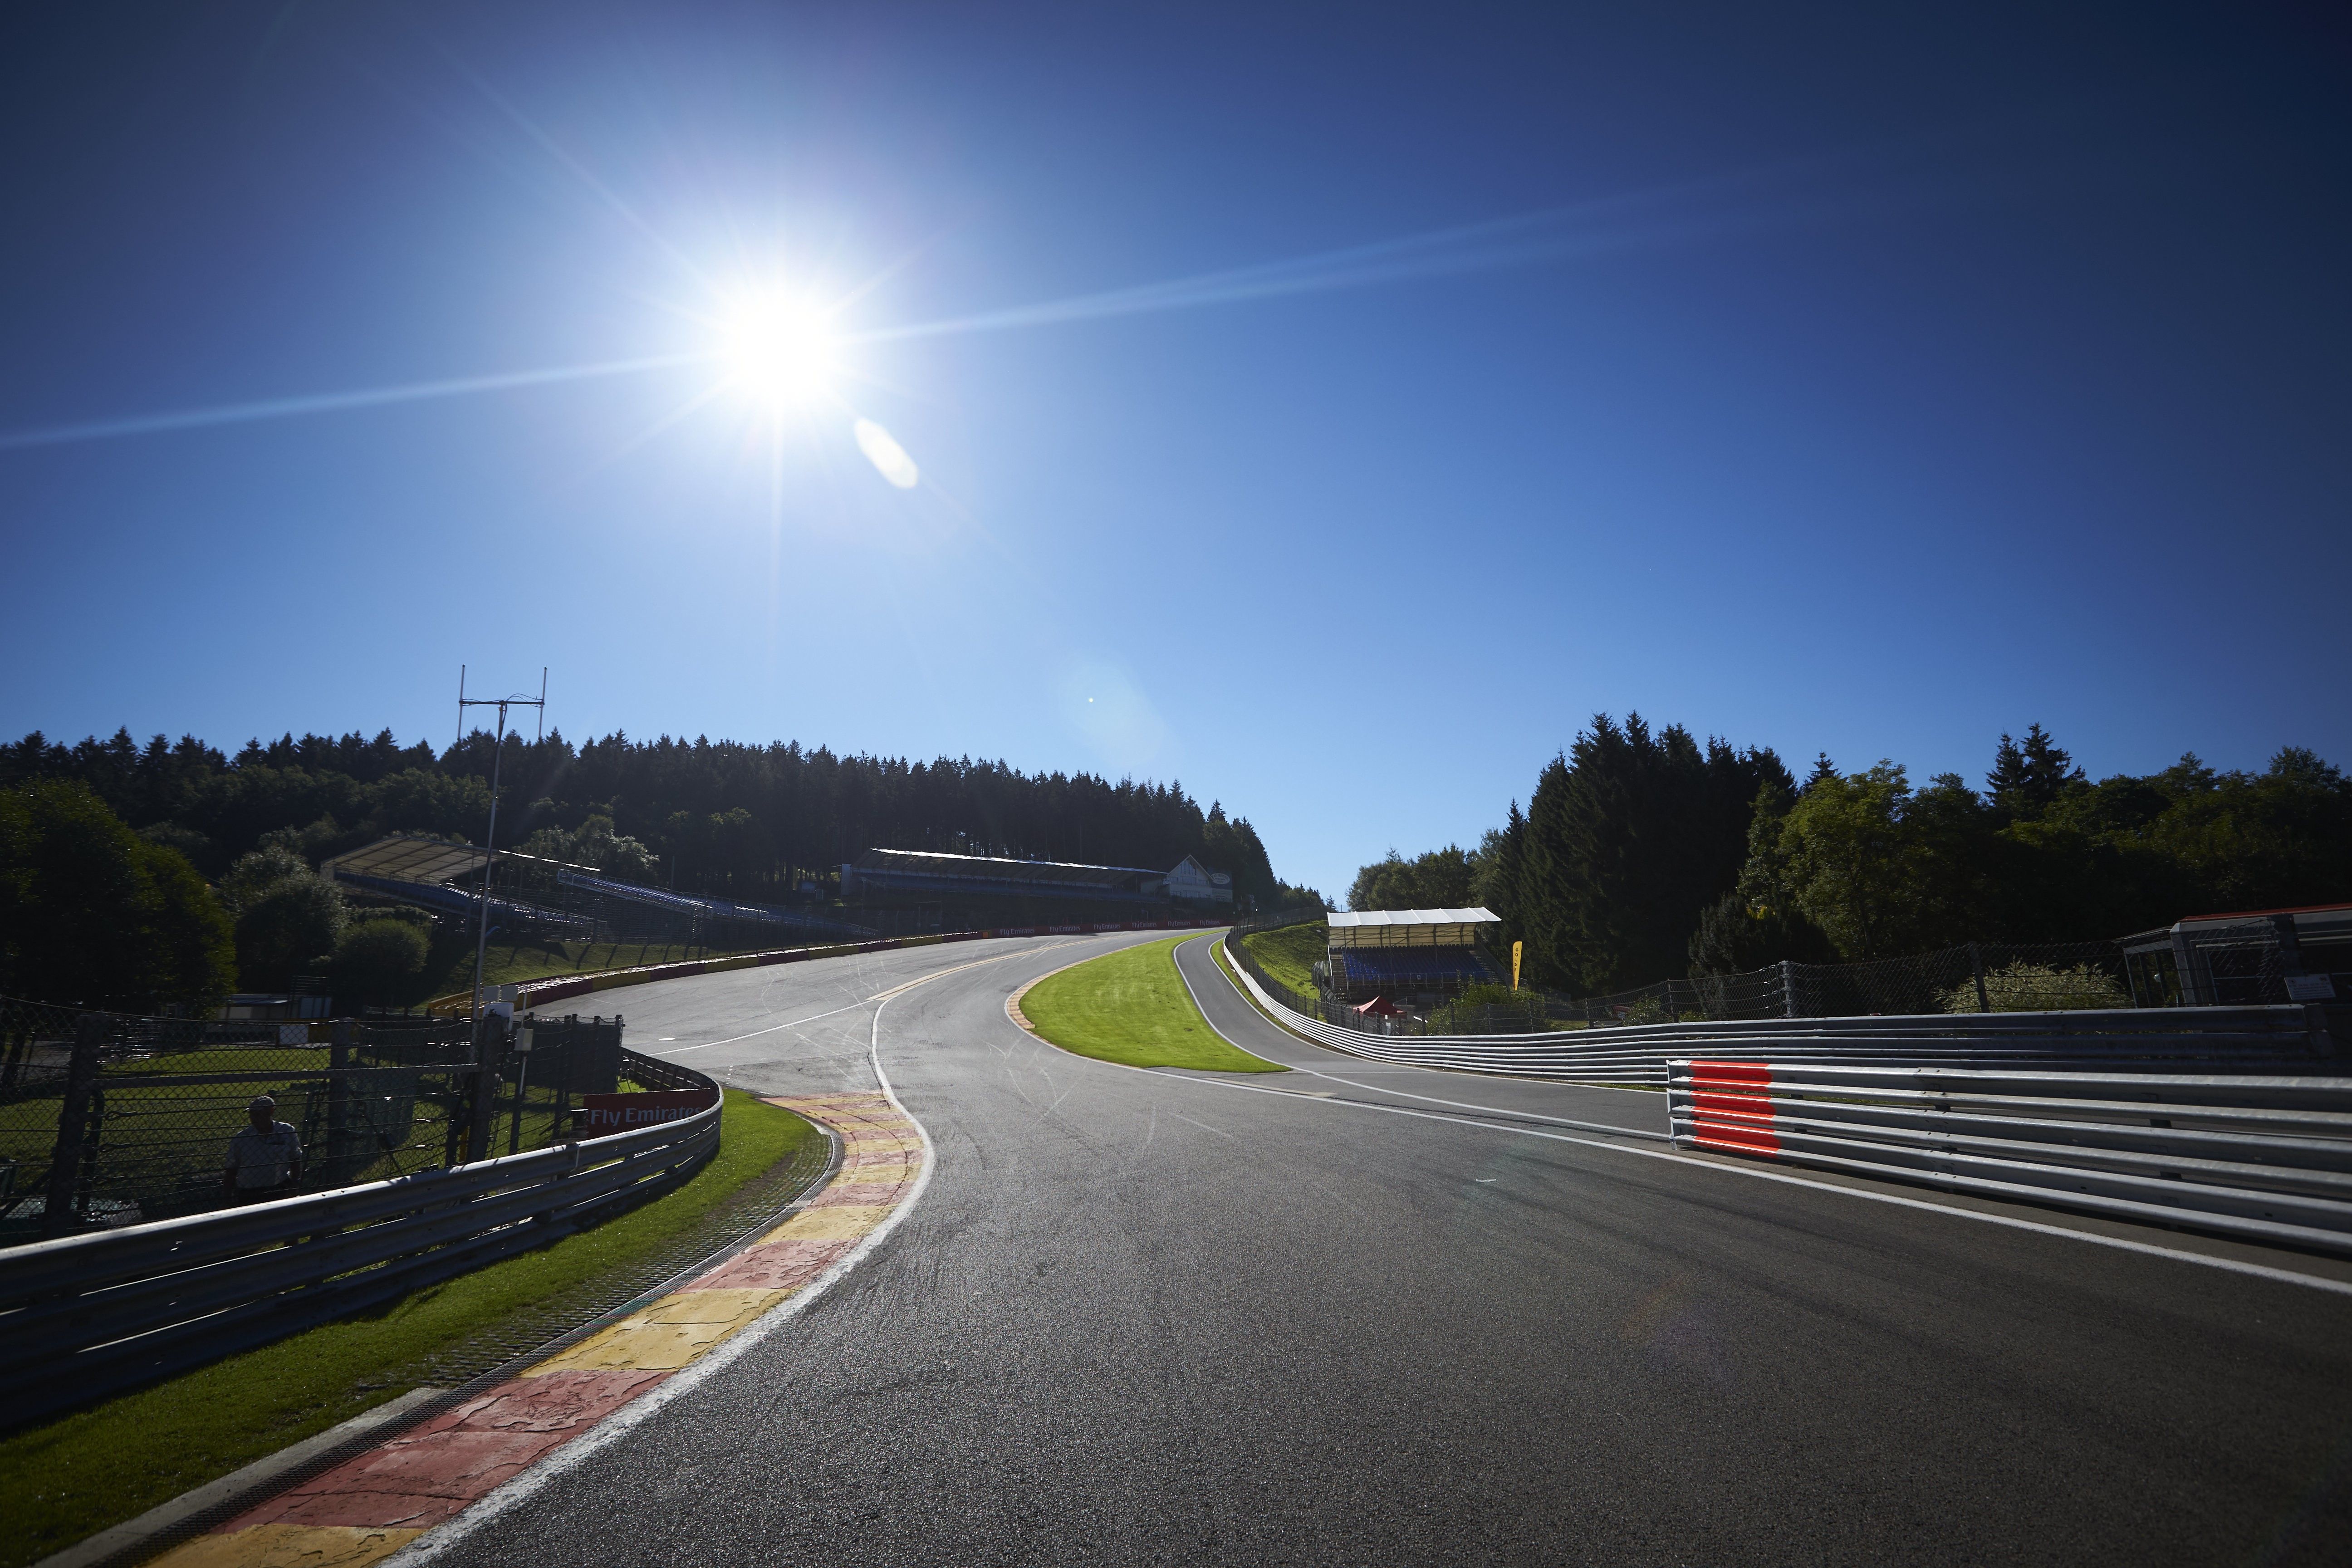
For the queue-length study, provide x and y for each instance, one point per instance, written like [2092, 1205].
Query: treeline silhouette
[719, 818]
[1645, 855]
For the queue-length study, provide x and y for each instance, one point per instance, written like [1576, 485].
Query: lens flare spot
[888, 458]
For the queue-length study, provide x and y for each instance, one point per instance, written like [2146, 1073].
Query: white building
[1191, 879]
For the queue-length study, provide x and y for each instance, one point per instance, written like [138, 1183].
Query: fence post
[486, 1088]
[339, 1109]
[1788, 989]
[1976, 963]
[73, 1119]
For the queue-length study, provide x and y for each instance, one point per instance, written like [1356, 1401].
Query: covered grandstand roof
[405, 859]
[1408, 928]
[923, 867]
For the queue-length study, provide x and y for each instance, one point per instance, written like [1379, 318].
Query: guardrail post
[73, 1117]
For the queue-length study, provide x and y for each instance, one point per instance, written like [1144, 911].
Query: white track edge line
[1684, 1162]
[1383, 1088]
[2231, 1265]
[605, 1433]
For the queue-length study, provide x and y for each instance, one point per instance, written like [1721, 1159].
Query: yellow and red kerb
[371, 1506]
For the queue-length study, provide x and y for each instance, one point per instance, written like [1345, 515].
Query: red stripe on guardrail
[1730, 1107]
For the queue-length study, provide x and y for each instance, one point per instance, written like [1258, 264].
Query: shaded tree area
[2045, 855]
[1642, 856]
[725, 818]
[1441, 879]
[93, 915]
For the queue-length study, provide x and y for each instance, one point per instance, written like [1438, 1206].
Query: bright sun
[780, 351]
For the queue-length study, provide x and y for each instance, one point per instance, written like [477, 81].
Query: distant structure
[880, 874]
[2246, 959]
[532, 896]
[1406, 952]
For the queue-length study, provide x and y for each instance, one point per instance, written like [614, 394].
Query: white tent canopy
[1408, 928]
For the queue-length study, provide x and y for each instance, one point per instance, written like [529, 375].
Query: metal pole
[489, 851]
[73, 1117]
[1788, 988]
[1975, 961]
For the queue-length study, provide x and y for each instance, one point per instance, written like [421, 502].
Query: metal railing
[2287, 1039]
[2265, 1158]
[109, 1118]
[83, 1315]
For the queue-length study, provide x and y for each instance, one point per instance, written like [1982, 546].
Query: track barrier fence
[85, 1315]
[2266, 1158]
[109, 1118]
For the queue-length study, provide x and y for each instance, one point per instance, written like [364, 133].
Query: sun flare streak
[333, 402]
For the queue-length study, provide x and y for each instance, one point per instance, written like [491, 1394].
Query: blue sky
[1329, 409]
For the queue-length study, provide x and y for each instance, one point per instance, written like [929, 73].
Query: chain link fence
[108, 1119]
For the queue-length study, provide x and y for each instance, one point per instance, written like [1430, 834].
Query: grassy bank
[75, 1476]
[1291, 953]
[509, 963]
[1131, 1006]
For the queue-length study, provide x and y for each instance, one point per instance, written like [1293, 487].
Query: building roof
[1341, 918]
[993, 869]
[405, 859]
[1408, 928]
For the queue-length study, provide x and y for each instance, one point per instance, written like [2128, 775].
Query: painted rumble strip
[373, 1505]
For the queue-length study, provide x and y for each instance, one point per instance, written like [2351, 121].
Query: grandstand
[987, 890]
[1406, 952]
[534, 897]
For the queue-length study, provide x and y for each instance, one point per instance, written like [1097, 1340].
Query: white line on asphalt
[635, 1413]
[755, 1034]
[2123, 1244]
[2231, 1265]
[1429, 1098]
[882, 996]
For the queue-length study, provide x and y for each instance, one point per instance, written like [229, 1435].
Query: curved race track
[1358, 1314]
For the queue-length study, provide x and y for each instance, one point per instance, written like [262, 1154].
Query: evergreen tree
[1628, 839]
[2027, 779]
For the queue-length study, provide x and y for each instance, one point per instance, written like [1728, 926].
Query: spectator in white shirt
[265, 1159]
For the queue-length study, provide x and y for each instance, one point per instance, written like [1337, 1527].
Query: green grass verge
[64, 1481]
[1291, 952]
[1131, 1006]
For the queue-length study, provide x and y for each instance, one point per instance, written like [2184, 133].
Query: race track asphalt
[1320, 1317]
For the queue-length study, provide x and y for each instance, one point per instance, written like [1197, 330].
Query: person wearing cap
[265, 1159]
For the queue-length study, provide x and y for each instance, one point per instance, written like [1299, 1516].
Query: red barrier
[1729, 1107]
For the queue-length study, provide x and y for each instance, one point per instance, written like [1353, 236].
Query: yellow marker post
[1515, 964]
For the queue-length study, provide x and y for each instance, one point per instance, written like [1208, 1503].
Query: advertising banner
[601, 1115]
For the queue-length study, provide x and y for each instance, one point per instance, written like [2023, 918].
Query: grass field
[1131, 1006]
[1290, 953]
[61, 1482]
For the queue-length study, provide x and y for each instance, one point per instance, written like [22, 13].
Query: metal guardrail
[2265, 1158]
[2291, 1038]
[84, 1316]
